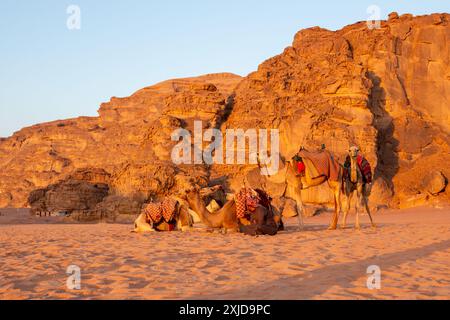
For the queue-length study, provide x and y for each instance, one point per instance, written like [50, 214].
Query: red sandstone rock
[386, 90]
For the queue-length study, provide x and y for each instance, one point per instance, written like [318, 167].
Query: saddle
[247, 200]
[260, 222]
[364, 167]
[324, 163]
[157, 212]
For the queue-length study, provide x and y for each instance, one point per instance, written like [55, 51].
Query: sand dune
[412, 248]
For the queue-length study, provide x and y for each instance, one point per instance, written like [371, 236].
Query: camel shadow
[306, 228]
[312, 284]
[292, 229]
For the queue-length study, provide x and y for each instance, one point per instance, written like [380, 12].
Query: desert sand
[411, 247]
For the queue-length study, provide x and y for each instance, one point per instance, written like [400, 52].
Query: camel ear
[216, 188]
[191, 189]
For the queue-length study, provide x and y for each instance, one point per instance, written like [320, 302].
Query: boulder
[68, 195]
[435, 183]
[113, 208]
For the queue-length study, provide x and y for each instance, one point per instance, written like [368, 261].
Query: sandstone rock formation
[69, 195]
[130, 140]
[386, 90]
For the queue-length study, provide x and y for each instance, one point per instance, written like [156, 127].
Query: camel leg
[357, 225]
[337, 195]
[301, 224]
[334, 220]
[300, 212]
[358, 205]
[337, 207]
[366, 205]
[300, 208]
[347, 209]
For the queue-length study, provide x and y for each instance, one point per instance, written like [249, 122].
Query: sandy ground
[412, 249]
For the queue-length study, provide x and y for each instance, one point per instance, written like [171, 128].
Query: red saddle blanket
[324, 162]
[157, 211]
[364, 167]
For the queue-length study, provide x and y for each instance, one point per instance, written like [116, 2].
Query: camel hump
[324, 162]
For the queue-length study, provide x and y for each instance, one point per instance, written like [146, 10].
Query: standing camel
[295, 183]
[354, 181]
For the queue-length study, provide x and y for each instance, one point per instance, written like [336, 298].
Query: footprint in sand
[222, 278]
[139, 284]
[245, 255]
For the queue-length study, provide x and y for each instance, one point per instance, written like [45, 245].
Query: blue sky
[49, 72]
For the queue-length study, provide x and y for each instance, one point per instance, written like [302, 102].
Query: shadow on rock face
[387, 146]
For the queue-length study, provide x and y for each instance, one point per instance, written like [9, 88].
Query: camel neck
[353, 169]
[197, 204]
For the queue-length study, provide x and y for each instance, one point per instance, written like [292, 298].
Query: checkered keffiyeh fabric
[246, 200]
[156, 211]
[169, 207]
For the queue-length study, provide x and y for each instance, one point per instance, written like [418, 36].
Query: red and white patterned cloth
[365, 168]
[157, 211]
[246, 200]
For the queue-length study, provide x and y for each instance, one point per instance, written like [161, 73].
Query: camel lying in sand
[224, 218]
[183, 218]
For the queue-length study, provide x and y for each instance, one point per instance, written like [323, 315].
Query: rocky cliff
[386, 90]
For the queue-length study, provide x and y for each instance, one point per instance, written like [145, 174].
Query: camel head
[205, 192]
[141, 225]
[192, 190]
[353, 151]
[192, 194]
